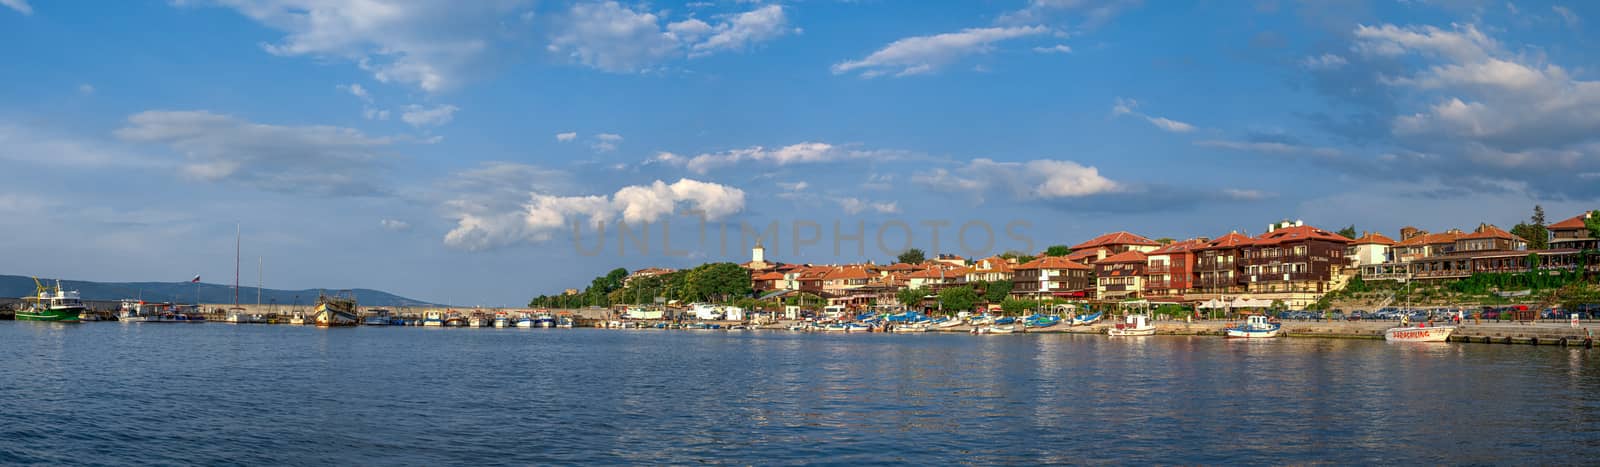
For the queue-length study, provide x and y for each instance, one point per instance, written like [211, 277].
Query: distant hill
[184, 292]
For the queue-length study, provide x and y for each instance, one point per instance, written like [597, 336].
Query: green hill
[184, 292]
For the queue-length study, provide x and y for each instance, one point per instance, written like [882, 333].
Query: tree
[719, 281]
[958, 298]
[1057, 250]
[912, 256]
[1593, 223]
[1165, 240]
[1538, 215]
[1018, 256]
[910, 297]
[1537, 236]
[1015, 306]
[1348, 232]
[997, 291]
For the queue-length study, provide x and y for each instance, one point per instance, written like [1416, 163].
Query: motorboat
[1133, 325]
[1085, 320]
[524, 321]
[433, 318]
[1254, 327]
[564, 322]
[477, 320]
[501, 320]
[299, 319]
[1419, 333]
[1007, 329]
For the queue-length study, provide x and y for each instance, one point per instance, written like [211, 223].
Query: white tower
[758, 255]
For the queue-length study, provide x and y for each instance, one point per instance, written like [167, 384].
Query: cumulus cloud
[1128, 106]
[801, 153]
[20, 5]
[28, 145]
[923, 54]
[322, 160]
[856, 206]
[612, 37]
[431, 44]
[508, 210]
[1324, 62]
[1036, 179]
[419, 116]
[1055, 49]
[567, 137]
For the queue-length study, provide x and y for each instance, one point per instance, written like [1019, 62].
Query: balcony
[1157, 269]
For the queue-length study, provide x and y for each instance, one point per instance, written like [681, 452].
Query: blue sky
[442, 150]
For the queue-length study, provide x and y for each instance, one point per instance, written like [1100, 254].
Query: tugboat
[51, 304]
[338, 310]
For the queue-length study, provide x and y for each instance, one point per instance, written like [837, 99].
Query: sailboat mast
[260, 281]
[237, 233]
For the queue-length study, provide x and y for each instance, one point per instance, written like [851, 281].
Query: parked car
[1491, 314]
[1357, 315]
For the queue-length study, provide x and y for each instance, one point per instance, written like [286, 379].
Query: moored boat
[51, 304]
[377, 317]
[501, 320]
[544, 320]
[336, 310]
[1419, 333]
[454, 320]
[1133, 325]
[1085, 320]
[477, 320]
[433, 318]
[1254, 327]
[947, 323]
[1007, 329]
[524, 321]
[299, 319]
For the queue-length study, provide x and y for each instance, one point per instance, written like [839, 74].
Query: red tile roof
[1179, 247]
[1570, 224]
[1231, 240]
[1125, 257]
[1297, 234]
[900, 267]
[996, 264]
[1084, 256]
[1490, 231]
[1374, 238]
[1430, 239]
[770, 276]
[1052, 262]
[1116, 238]
[845, 273]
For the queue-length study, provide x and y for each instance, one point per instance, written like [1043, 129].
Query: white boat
[238, 316]
[995, 329]
[913, 327]
[139, 311]
[564, 322]
[982, 320]
[1133, 325]
[1419, 333]
[1085, 320]
[524, 321]
[501, 320]
[1254, 327]
[948, 323]
[477, 321]
[299, 319]
[433, 318]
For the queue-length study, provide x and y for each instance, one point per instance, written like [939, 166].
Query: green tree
[997, 291]
[912, 256]
[1349, 232]
[1020, 257]
[1593, 223]
[1538, 215]
[911, 297]
[958, 298]
[1058, 250]
[718, 282]
[1165, 240]
[1017, 306]
[1537, 236]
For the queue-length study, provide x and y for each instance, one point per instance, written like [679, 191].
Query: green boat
[51, 304]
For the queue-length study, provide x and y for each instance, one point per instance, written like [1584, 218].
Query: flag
[196, 279]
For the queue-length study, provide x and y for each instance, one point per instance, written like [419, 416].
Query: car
[1491, 314]
[1336, 315]
[1357, 315]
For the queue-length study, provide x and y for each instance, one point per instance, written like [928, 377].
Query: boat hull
[1419, 334]
[59, 315]
[1253, 334]
[1132, 332]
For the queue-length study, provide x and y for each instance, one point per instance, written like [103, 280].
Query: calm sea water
[128, 393]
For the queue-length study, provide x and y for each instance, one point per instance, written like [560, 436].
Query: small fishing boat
[238, 316]
[981, 320]
[52, 304]
[564, 322]
[454, 320]
[433, 318]
[544, 320]
[1037, 321]
[1254, 327]
[337, 310]
[1419, 333]
[524, 321]
[139, 311]
[947, 323]
[377, 317]
[1005, 321]
[1008, 329]
[910, 327]
[299, 319]
[1133, 325]
[501, 320]
[857, 327]
[1085, 320]
[477, 320]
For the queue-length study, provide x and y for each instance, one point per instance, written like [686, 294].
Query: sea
[218, 394]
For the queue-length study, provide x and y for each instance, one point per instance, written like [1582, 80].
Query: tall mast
[237, 233]
[260, 281]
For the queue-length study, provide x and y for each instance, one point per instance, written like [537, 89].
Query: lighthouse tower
[758, 256]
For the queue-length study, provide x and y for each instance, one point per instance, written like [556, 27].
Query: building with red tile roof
[1487, 237]
[1295, 258]
[991, 269]
[1049, 276]
[1170, 270]
[1573, 233]
[1120, 276]
[1370, 248]
[1219, 265]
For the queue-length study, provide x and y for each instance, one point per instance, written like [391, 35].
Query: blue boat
[1085, 320]
[376, 317]
[1004, 321]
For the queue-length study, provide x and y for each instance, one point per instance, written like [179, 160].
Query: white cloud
[616, 38]
[431, 44]
[34, 146]
[1055, 49]
[794, 186]
[419, 116]
[86, 89]
[1271, 147]
[20, 5]
[356, 90]
[606, 142]
[922, 54]
[567, 137]
[322, 160]
[1128, 106]
[374, 114]
[1324, 62]
[1567, 15]
[395, 225]
[503, 216]
[857, 206]
[801, 153]
[1463, 43]
[1036, 179]
[1245, 195]
[1087, 13]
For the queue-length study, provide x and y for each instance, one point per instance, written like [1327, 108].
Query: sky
[446, 151]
